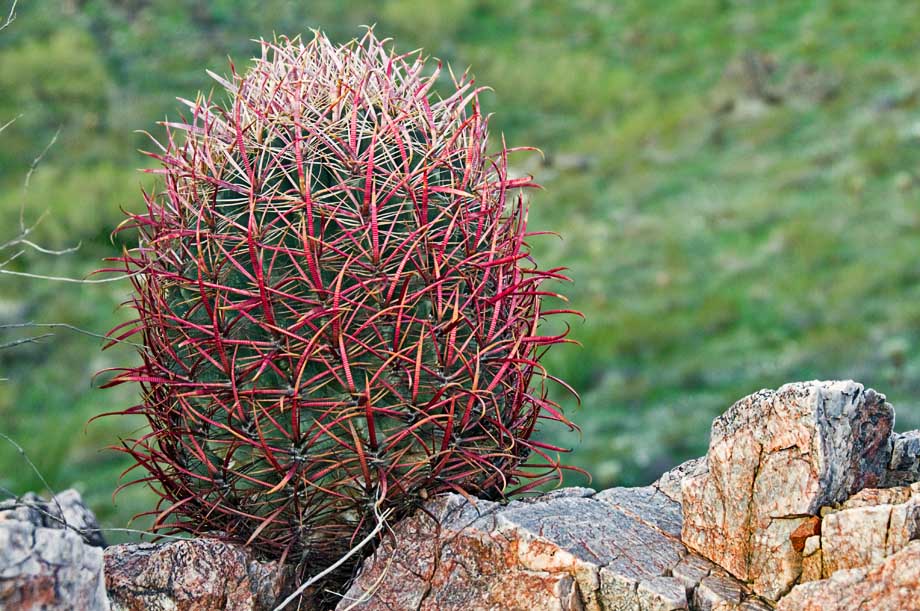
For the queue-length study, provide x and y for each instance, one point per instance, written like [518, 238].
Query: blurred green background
[736, 184]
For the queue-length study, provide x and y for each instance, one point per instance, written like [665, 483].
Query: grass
[736, 186]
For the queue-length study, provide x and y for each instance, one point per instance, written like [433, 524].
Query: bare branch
[59, 518]
[21, 239]
[49, 251]
[40, 508]
[32, 466]
[12, 258]
[61, 325]
[10, 122]
[11, 16]
[369, 591]
[64, 278]
[25, 340]
[28, 179]
[381, 524]
[38, 160]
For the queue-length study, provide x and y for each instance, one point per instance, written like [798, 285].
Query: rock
[68, 510]
[871, 497]
[808, 528]
[617, 550]
[452, 558]
[774, 459]
[893, 585]
[193, 574]
[854, 538]
[570, 492]
[65, 510]
[691, 570]
[661, 594]
[670, 482]
[28, 508]
[718, 590]
[794, 501]
[904, 523]
[646, 504]
[867, 528]
[51, 558]
[904, 466]
[47, 568]
[812, 560]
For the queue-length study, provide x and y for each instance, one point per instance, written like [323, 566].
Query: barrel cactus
[336, 304]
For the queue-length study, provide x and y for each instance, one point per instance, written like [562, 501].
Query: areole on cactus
[336, 302]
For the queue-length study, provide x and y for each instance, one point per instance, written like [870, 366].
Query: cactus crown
[336, 302]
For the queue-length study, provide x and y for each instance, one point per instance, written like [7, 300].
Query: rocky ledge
[806, 500]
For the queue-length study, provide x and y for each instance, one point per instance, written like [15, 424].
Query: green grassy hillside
[736, 186]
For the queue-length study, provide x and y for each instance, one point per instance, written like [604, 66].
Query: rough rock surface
[774, 459]
[802, 488]
[185, 575]
[572, 549]
[44, 565]
[65, 510]
[893, 585]
[904, 467]
[863, 531]
[670, 482]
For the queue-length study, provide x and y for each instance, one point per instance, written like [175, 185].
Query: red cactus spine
[337, 304]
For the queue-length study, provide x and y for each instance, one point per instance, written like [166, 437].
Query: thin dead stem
[10, 17]
[61, 325]
[371, 536]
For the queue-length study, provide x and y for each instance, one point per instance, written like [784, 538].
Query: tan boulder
[617, 550]
[864, 530]
[774, 459]
[893, 585]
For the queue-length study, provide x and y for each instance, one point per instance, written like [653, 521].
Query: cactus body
[336, 302]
